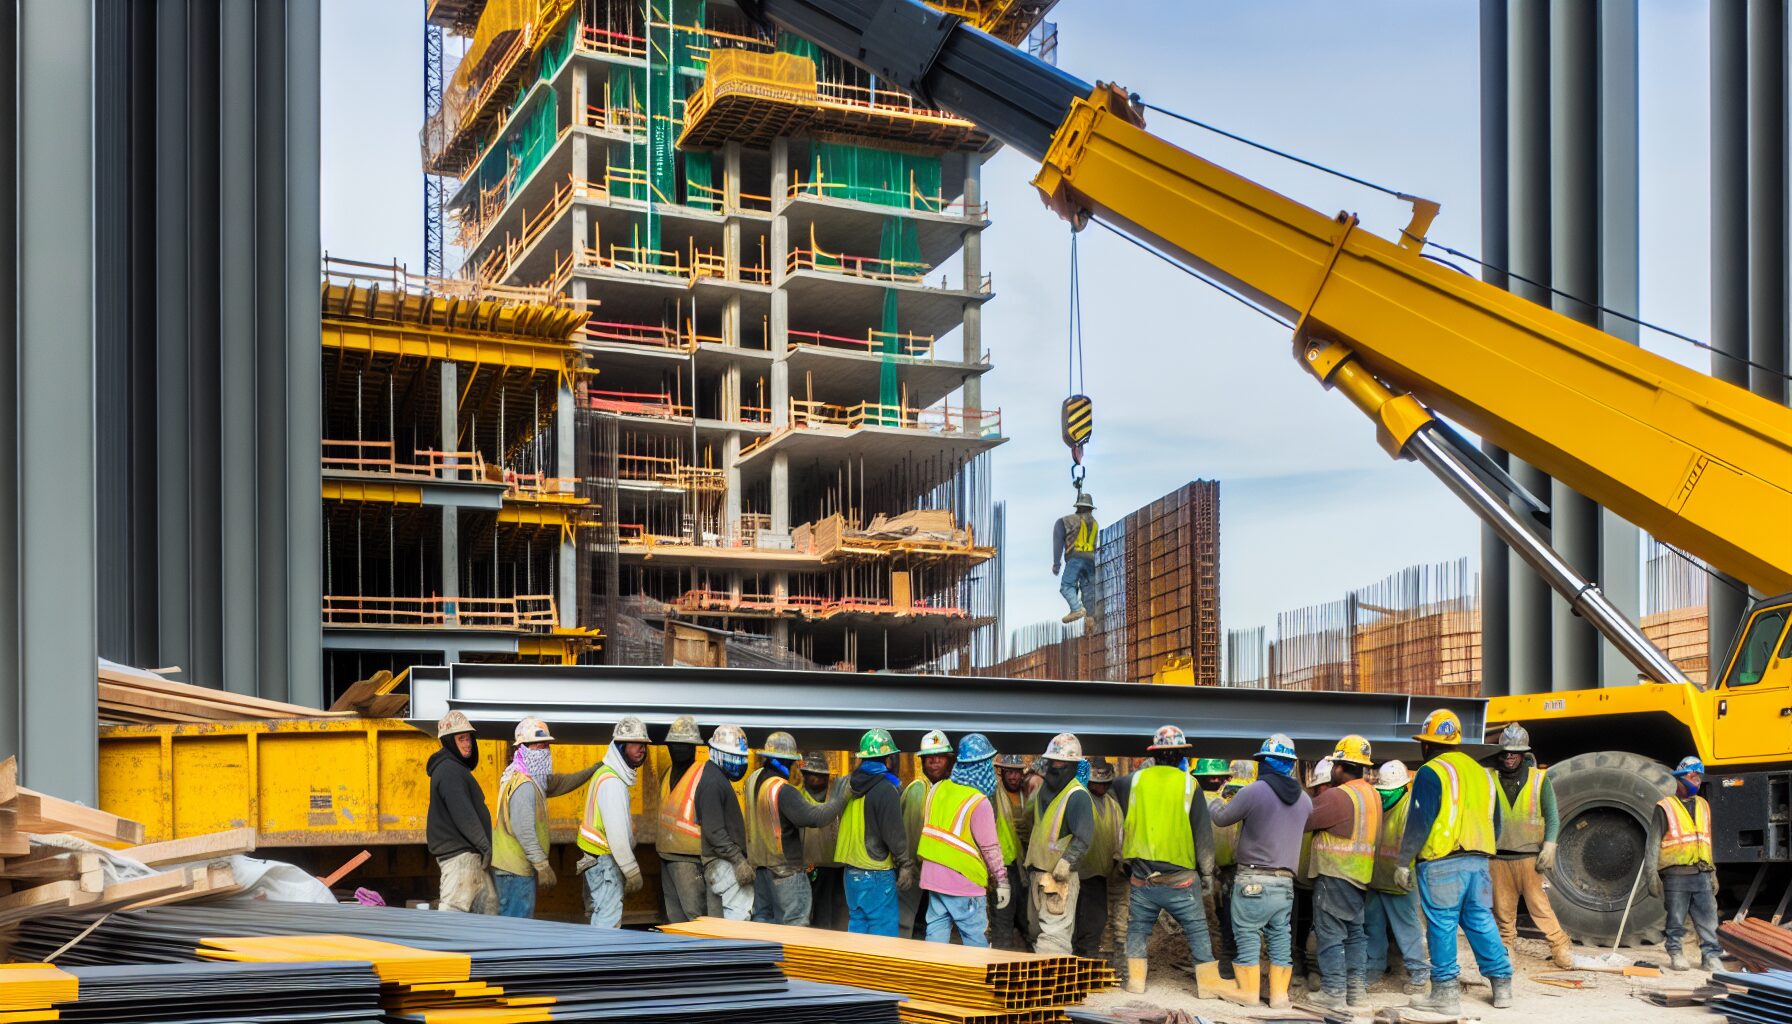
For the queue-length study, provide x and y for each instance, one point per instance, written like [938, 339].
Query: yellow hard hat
[1441, 727]
[1353, 749]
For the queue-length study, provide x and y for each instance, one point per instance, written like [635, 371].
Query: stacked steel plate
[1765, 998]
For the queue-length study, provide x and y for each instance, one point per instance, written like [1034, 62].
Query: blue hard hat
[1278, 745]
[1689, 765]
[975, 747]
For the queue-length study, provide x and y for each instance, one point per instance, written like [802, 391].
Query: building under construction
[778, 420]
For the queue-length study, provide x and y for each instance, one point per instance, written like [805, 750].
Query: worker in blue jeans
[1073, 550]
[1389, 907]
[873, 845]
[1681, 870]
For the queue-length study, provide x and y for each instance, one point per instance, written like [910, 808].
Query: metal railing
[528, 613]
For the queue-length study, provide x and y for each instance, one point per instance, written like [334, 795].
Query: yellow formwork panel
[372, 491]
[435, 344]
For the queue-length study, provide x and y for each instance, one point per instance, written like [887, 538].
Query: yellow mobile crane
[1699, 463]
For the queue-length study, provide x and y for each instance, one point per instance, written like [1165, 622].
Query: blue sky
[1187, 384]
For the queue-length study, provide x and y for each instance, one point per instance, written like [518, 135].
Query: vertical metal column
[301, 398]
[1496, 676]
[237, 352]
[1729, 252]
[1767, 320]
[174, 575]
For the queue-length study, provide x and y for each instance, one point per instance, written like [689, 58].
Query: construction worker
[727, 872]
[935, 753]
[678, 841]
[872, 844]
[1345, 826]
[520, 842]
[775, 823]
[1007, 924]
[1063, 827]
[960, 848]
[1390, 907]
[1169, 860]
[1272, 817]
[606, 831]
[1450, 830]
[1210, 775]
[1239, 774]
[1526, 845]
[1073, 548]
[1681, 870]
[1098, 864]
[459, 828]
[1306, 962]
[827, 893]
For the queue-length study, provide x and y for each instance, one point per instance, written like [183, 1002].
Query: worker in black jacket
[727, 873]
[459, 828]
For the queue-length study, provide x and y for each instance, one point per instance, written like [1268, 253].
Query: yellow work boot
[1246, 993]
[1135, 974]
[1279, 977]
[1208, 983]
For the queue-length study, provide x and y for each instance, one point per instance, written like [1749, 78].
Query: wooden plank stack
[131, 697]
[1683, 635]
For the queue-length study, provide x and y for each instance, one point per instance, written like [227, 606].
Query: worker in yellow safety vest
[777, 814]
[872, 843]
[1099, 864]
[1345, 825]
[1239, 774]
[1526, 845]
[607, 831]
[1450, 830]
[1074, 538]
[935, 754]
[520, 840]
[827, 880]
[1391, 908]
[1063, 827]
[1007, 925]
[960, 848]
[1683, 874]
[677, 839]
[1169, 859]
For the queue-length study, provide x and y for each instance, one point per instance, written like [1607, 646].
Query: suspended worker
[727, 873]
[1272, 817]
[459, 828]
[778, 814]
[1683, 873]
[1169, 860]
[678, 841]
[607, 829]
[1073, 549]
[1239, 774]
[935, 753]
[1007, 925]
[827, 893]
[1345, 826]
[1210, 775]
[1450, 830]
[520, 842]
[872, 844]
[1063, 827]
[1389, 907]
[1098, 864]
[960, 848]
[1526, 845]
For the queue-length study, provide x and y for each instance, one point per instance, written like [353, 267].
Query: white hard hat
[452, 723]
[1322, 773]
[1392, 776]
[533, 730]
[629, 730]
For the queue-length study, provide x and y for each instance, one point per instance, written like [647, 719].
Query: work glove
[1713, 876]
[1061, 872]
[586, 863]
[1654, 884]
[1403, 878]
[743, 874]
[1207, 882]
[631, 879]
[485, 860]
[1003, 894]
[1057, 569]
[906, 877]
[544, 874]
[1546, 860]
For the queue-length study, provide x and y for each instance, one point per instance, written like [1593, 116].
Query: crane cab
[1752, 710]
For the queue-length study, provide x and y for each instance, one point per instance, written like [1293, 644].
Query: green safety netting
[868, 175]
[699, 182]
[534, 140]
[555, 53]
[900, 252]
[788, 43]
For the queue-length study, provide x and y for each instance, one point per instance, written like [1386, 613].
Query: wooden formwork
[1683, 634]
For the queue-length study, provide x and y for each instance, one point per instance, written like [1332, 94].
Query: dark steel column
[1767, 322]
[302, 240]
[239, 520]
[1729, 250]
[1496, 677]
[172, 215]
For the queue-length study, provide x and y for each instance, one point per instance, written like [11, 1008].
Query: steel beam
[832, 709]
[1727, 598]
[1496, 676]
[301, 243]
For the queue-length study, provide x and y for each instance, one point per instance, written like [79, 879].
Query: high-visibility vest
[1352, 857]
[1521, 820]
[1047, 847]
[592, 837]
[1106, 844]
[679, 833]
[819, 840]
[1010, 813]
[1687, 840]
[914, 809]
[1225, 837]
[507, 850]
[1387, 849]
[946, 837]
[1157, 825]
[849, 849]
[765, 826]
[1465, 821]
[1087, 533]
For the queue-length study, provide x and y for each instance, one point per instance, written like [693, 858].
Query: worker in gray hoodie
[606, 832]
[1272, 814]
[520, 842]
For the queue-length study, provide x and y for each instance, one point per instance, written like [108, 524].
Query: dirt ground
[1607, 998]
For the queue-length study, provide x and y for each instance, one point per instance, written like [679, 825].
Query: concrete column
[566, 465]
[730, 206]
[731, 499]
[451, 561]
[972, 329]
[1727, 599]
[780, 510]
[1495, 590]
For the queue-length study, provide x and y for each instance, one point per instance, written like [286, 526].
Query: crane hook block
[1079, 422]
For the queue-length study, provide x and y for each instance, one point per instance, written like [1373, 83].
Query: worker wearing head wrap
[1100, 863]
[960, 850]
[1344, 827]
[776, 816]
[1272, 817]
[827, 877]
[1168, 849]
[520, 842]
[935, 756]
[1239, 774]
[606, 831]
[1526, 845]
[678, 841]
[1007, 924]
[727, 872]
[1389, 906]
[459, 827]
[873, 845]
[1681, 870]
[1063, 827]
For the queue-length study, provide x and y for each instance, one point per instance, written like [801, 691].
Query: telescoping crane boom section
[1699, 463]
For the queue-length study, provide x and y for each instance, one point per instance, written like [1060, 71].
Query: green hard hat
[1211, 766]
[876, 743]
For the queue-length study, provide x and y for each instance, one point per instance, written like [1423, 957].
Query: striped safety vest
[1521, 820]
[1387, 850]
[592, 837]
[1046, 847]
[946, 837]
[1687, 840]
[765, 826]
[1352, 857]
[1465, 821]
[679, 833]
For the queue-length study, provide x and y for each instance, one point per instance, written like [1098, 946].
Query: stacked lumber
[945, 984]
[1760, 946]
[373, 697]
[1683, 635]
[133, 697]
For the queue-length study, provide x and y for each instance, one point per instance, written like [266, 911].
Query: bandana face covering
[537, 764]
[979, 775]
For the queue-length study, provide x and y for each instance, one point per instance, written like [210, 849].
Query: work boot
[1357, 992]
[1711, 962]
[1208, 983]
[1562, 956]
[1416, 987]
[1444, 999]
[1279, 977]
[1502, 992]
[1326, 998]
[1677, 962]
[1135, 974]
[1070, 617]
[1247, 992]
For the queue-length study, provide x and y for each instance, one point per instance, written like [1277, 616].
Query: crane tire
[1605, 801]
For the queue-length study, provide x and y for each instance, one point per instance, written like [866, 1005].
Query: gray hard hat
[684, 730]
[1515, 740]
[629, 730]
[816, 763]
[1084, 500]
